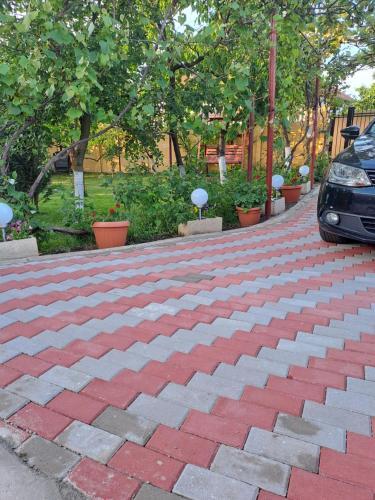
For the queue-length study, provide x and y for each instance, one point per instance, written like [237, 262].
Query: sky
[364, 77]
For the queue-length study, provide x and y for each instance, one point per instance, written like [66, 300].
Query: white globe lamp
[277, 181]
[6, 215]
[304, 170]
[199, 198]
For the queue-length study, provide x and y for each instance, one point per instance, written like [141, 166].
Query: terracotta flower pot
[110, 234]
[249, 218]
[291, 193]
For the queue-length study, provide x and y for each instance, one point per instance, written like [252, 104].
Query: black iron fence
[352, 117]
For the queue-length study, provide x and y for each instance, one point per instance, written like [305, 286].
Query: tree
[366, 98]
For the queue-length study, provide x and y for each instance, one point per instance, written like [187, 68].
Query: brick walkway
[233, 368]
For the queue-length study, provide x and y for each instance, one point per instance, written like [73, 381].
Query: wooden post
[315, 130]
[250, 146]
[271, 114]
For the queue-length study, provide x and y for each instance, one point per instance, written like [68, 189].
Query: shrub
[321, 166]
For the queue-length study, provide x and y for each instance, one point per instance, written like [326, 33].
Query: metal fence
[353, 117]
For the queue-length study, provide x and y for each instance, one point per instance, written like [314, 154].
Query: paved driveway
[230, 368]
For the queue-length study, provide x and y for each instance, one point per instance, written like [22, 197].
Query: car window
[371, 130]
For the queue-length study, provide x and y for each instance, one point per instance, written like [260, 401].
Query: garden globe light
[199, 197]
[6, 215]
[304, 170]
[277, 181]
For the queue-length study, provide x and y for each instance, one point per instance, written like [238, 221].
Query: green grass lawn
[51, 213]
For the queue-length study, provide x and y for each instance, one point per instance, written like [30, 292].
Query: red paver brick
[279, 333]
[281, 401]
[368, 347]
[261, 338]
[87, 348]
[114, 341]
[28, 364]
[183, 446]
[361, 445]
[218, 354]
[266, 495]
[349, 468]
[147, 465]
[237, 346]
[77, 406]
[59, 356]
[169, 371]
[140, 382]
[308, 486]
[45, 422]
[316, 376]
[247, 413]
[215, 428]
[352, 356]
[100, 482]
[303, 390]
[118, 395]
[337, 366]
[8, 375]
[197, 363]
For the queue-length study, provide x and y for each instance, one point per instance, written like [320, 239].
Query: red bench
[233, 154]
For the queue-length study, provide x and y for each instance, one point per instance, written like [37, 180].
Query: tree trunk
[287, 149]
[78, 156]
[177, 152]
[222, 161]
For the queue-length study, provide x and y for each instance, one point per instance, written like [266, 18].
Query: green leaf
[148, 109]
[91, 28]
[4, 68]
[74, 113]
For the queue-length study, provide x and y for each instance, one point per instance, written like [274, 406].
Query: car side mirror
[351, 132]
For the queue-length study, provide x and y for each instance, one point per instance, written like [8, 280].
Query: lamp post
[199, 198]
[271, 114]
[6, 215]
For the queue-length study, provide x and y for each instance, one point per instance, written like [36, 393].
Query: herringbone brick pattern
[235, 367]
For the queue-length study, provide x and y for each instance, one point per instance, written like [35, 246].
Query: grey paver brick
[89, 441]
[216, 385]
[311, 431]
[10, 403]
[24, 345]
[149, 351]
[352, 401]
[149, 492]
[281, 356]
[159, 410]
[284, 449]
[264, 365]
[321, 340]
[244, 375]
[125, 425]
[253, 469]
[32, 388]
[125, 359]
[66, 377]
[370, 373]
[7, 354]
[172, 344]
[338, 417]
[191, 398]
[361, 386]
[201, 484]
[98, 368]
[47, 456]
[340, 333]
[310, 349]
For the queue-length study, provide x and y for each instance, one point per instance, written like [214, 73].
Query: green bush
[321, 166]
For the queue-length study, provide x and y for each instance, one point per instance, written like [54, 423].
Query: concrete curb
[171, 241]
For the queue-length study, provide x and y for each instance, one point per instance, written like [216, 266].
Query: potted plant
[248, 201]
[111, 229]
[291, 189]
[19, 242]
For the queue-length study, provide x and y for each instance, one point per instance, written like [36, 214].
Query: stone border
[170, 241]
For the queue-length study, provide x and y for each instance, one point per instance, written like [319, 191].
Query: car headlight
[347, 175]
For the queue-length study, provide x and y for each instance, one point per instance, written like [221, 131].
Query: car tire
[332, 238]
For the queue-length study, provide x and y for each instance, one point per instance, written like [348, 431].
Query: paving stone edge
[171, 241]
